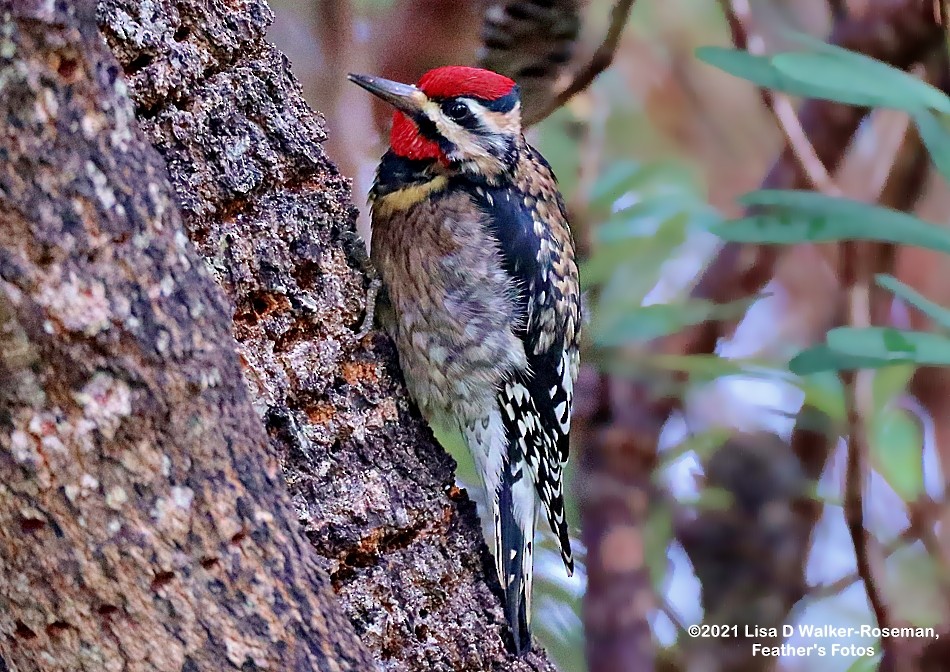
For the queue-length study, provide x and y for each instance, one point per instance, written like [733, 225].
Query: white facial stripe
[454, 132]
[480, 152]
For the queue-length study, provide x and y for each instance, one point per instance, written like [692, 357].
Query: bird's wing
[529, 223]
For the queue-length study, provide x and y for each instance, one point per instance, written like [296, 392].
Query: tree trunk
[147, 526]
[143, 521]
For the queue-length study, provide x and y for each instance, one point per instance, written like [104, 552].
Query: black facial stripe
[504, 104]
[430, 132]
[470, 121]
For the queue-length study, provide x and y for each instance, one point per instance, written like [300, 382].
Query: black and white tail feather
[520, 450]
[515, 521]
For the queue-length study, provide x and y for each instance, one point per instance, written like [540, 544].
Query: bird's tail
[515, 519]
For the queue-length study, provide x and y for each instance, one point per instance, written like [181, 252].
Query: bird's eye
[458, 111]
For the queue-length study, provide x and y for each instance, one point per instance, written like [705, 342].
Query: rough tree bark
[142, 521]
[132, 362]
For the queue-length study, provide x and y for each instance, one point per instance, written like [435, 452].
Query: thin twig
[859, 262]
[855, 475]
[804, 151]
[599, 62]
[923, 511]
[739, 17]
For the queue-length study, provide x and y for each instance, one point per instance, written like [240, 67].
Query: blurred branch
[931, 387]
[619, 421]
[925, 514]
[671, 614]
[739, 18]
[856, 277]
[767, 581]
[599, 62]
[922, 518]
[614, 492]
[859, 262]
[898, 185]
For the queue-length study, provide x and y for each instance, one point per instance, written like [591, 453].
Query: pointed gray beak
[403, 97]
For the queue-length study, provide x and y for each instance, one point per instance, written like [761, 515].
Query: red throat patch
[459, 80]
[407, 140]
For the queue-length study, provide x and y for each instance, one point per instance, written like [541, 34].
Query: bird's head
[466, 119]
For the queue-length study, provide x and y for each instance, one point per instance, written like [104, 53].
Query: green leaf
[822, 358]
[883, 72]
[829, 73]
[793, 217]
[657, 535]
[756, 69]
[936, 312]
[604, 262]
[896, 444]
[614, 182]
[889, 382]
[666, 181]
[641, 220]
[646, 323]
[812, 492]
[644, 254]
[824, 392]
[698, 368]
[641, 256]
[933, 131]
[892, 345]
[710, 498]
[913, 574]
[857, 80]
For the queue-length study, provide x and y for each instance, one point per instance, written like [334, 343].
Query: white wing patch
[567, 369]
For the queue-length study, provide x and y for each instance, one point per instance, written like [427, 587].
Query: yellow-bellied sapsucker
[481, 297]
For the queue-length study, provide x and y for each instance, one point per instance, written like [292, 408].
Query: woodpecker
[480, 295]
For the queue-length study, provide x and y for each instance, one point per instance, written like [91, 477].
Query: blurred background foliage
[652, 159]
